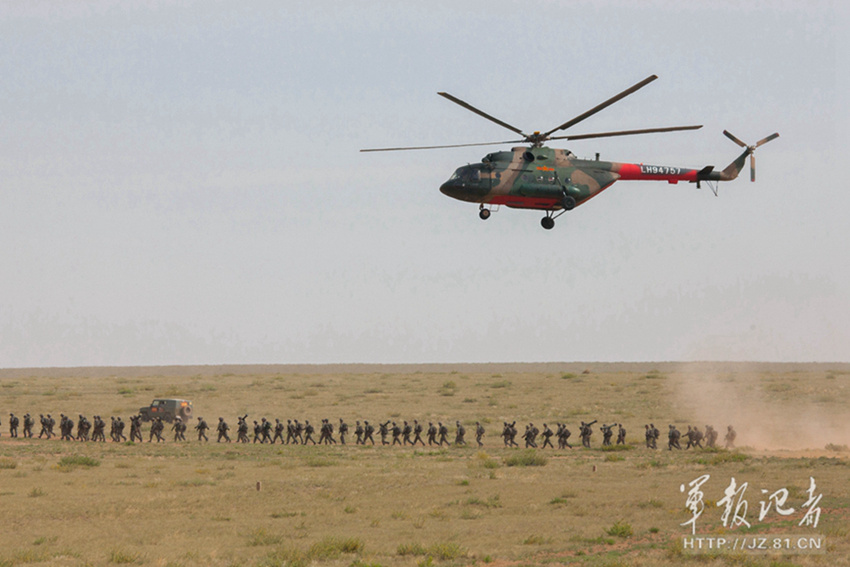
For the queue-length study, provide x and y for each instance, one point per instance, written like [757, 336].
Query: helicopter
[555, 180]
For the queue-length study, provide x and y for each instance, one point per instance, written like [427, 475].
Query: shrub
[261, 537]
[620, 529]
[527, 458]
[71, 462]
[410, 549]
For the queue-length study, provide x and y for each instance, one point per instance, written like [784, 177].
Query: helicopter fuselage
[551, 179]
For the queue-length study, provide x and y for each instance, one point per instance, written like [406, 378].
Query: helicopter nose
[451, 189]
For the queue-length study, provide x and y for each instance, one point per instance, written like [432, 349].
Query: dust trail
[767, 412]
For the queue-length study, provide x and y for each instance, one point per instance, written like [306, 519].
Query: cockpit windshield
[466, 174]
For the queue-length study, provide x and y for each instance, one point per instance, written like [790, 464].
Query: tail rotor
[751, 149]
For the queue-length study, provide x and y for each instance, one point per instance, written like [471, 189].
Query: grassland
[226, 504]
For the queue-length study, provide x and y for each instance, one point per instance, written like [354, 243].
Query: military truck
[167, 409]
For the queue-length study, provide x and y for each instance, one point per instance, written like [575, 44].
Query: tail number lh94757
[659, 170]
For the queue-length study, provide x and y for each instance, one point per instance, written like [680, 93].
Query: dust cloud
[786, 411]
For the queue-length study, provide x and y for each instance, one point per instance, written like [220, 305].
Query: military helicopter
[555, 180]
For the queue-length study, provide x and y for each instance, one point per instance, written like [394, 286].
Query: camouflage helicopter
[555, 180]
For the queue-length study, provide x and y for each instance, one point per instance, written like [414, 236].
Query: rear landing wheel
[484, 214]
[547, 222]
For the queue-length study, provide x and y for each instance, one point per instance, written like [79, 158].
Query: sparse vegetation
[71, 462]
[527, 458]
[620, 529]
[325, 506]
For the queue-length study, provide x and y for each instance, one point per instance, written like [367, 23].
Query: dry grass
[190, 504]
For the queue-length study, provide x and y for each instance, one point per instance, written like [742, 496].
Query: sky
[181, 183]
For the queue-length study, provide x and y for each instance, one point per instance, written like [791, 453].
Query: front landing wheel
[484, 214]
[547, 223]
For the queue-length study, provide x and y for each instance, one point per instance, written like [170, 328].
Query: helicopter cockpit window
[466, 175]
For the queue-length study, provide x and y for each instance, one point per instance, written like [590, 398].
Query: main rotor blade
[602, 106]
[468, 106]
[766, 140]
[440, 147]
[626, 133]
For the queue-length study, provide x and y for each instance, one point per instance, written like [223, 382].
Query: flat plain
[191, 503]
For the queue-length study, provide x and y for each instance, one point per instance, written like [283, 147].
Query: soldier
[329, 432]
[157, 427]
[99, 429]
[368, 430]
[406, 430]
[83, 428]
[564, 436]
[177, 428]
[308, 433]
[290, 431]
[202, 429]
[673, 436]
[278, 431]
[343, 429]
[222, 430]
[28, 423]
[444, 432]
[730, 437]
[13, 425]
[266, 430]
[50, 424]
[506, 433]
[69, 427]
[358, 433]
[460, 434]
[534, 433]
[710, 436]
[396, 430]
[112, 428]
[698, 436]
[43, 426]
[242, 429]
[323, 432]
[479, 434]
[607, 433]
[655, 435]
[650, 437]
[258, 431]
[547, 436]
[298, 430]
[585, 432]
[417, 433]
[432, 433]
[135, 428]
[119, 430]
[384, 430]
[621, 434]
[690, 436]
[530, 436]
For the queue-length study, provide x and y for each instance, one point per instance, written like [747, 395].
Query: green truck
[167, 409]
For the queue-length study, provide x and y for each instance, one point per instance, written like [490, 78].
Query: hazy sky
[181, 183]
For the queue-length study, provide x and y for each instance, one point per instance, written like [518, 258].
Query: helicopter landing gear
[484, 214]
[548, 222]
